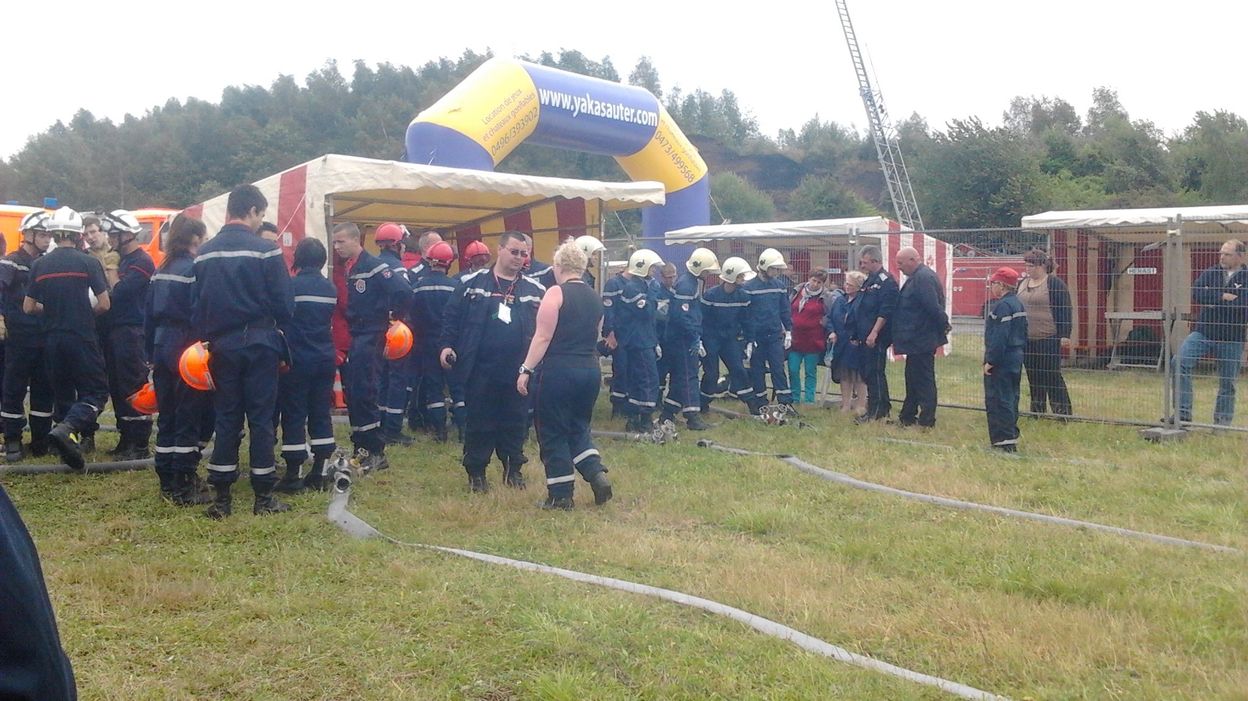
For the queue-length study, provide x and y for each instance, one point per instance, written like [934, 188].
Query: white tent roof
[784, 229]
[367, 190]
[1213, 219]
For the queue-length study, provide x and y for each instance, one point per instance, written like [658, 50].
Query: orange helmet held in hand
[193, 367]
[144, 401]
[398, 340]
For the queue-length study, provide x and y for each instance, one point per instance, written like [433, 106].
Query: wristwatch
[525, 369]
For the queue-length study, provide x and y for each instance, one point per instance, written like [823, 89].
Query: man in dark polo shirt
[68, 289]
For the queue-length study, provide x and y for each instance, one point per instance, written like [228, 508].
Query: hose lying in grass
[123, 466]
[844, 479]
[357, 527]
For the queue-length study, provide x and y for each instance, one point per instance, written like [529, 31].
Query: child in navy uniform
[1005, 337]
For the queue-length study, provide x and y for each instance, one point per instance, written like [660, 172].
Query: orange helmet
[193, 367]
[388, 233]
[475, 248]
[441, 254]
[398, 340]
[144, 401]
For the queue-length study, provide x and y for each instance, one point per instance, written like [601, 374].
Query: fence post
[1173, 314]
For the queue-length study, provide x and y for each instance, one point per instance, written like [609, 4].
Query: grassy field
[157, 602]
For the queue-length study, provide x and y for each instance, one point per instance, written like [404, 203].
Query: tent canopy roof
[366, 190]
[778, 230]
[1213, 222]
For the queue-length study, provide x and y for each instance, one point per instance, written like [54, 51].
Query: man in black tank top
[566, 383]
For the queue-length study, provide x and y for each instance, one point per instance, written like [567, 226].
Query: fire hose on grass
[339, 513]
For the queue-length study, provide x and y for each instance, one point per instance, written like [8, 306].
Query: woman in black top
[1047, 302]
[567, 380]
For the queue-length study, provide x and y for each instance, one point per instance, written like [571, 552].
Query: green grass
[156, 602]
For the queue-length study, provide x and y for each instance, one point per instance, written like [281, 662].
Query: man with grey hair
[1222, 293]
[873, 326]
[920, 327]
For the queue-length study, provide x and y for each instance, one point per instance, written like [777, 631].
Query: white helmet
[589, 245]
[64, 222]
[119, 222]
[642, 260]
[771, 258]
[736, 270]
[702, 260]
[34, 222]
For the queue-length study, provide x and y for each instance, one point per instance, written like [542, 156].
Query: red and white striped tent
[467, 205]
[830, 244]
[463, 205]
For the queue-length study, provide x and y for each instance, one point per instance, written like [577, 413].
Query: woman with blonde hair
[847, 356]
[563, 364]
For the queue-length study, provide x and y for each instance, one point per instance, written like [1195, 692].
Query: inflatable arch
[505, 102]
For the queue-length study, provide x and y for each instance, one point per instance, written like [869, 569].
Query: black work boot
[66, 443]
[167, 484]
[558, 503]
[315, 479]
[291, 482]
[478, 484]
[695, 422]
[266, 503]
[187, 490]
[39, 446]
[602, 488]
[512, 475]
[123, 446]
[13, 451]
[222, 503]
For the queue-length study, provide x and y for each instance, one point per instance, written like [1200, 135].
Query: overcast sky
[785, 60]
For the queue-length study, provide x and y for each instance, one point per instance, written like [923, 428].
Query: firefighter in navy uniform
[396, 374]
[429, 300]
[375, 296]
[305, 393]
[475, 256]
[486, 329]
[241, 295]
[611, 291]
[124, 358]
[544, 273]
[167, 333]
[635, 336]
[1005, 337]
[723, 329]
[683, 347]
[593, 249]
[23, 361]
[65, 285]
[769, 328]
[414, 258]
[874, 331]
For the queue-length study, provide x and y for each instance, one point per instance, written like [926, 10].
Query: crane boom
[887, 147]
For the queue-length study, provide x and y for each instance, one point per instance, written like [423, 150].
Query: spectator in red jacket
[810, 302]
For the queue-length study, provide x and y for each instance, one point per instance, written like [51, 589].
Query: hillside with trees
[1041, 154]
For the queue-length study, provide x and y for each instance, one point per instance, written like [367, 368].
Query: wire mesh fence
[1123, 329]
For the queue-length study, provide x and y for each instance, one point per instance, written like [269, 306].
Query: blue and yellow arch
[506, 102]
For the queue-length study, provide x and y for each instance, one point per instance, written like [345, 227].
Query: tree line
[967, 174]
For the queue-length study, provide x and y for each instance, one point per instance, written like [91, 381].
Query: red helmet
[144, 400]
[442, 253]
[193, 367]
[388, 233]
[475, 248]
[398, 340]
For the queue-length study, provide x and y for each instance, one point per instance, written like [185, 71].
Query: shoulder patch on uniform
[883, 275]
[386, 273]
[606, 302]
[360, 286]
[684, 307]
[641, 303]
